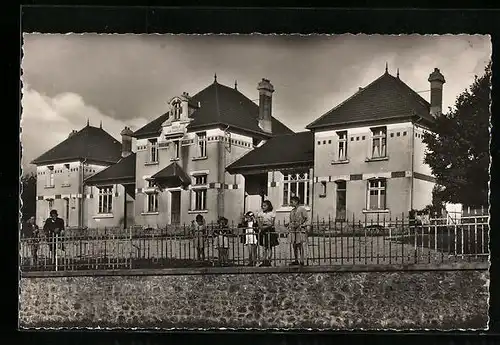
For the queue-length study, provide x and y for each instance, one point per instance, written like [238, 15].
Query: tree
[28, 196]
[458, 148]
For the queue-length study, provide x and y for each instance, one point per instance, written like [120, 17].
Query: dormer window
[176, 109]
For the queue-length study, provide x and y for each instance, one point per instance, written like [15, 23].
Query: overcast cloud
[127, 79]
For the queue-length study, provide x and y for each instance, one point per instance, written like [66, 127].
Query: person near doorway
[54, 231]
[249, 238]
[222, 232]
[31, 234]
[268, 238]
[199, 231]
[298, 230]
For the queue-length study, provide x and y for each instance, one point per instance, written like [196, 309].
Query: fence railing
[322, 243]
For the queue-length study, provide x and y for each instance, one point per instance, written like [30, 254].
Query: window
[67, 174]
[105, 196]
[176, 109]
[199, 193]
[342, 148]
[51, 204]
[323, 189]
[376, 194]
[379, 142]
[177, 146]
[152, 200]
[296, 184]
[153, 151]
[202, 144]
[50, 177]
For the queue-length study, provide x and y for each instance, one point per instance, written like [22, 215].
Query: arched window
[176, 109]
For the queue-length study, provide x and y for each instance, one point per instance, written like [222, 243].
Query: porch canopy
[172, 176]
[280, 152]
[123, 172]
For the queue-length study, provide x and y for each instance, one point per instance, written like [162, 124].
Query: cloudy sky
[127, 79]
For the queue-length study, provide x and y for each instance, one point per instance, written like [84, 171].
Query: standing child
[298, 230]
[222, 233]
[250, 237]
[199, 230]
[268, 238]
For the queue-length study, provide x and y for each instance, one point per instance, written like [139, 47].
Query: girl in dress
[249, 238]
[268, 238]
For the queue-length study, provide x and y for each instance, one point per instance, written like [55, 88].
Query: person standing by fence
[199, 230]
[268, 238]
[249, 239]
[297, 228]
[31, 234]
[222, 232]
[54, 231]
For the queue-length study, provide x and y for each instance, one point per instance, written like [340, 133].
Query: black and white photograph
[325, 182]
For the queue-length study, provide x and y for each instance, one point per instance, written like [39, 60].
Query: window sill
[66, 185]
[375, 211]
[49, 187]
[149, 213]
[377, 159]
[151, 163]
[343, 161]
[174, 159]
[289, 208]
[199, 158]
[197, 211]
[103, 215]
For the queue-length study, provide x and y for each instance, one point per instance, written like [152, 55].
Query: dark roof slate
[91, 143]
[283, 151]
[220, 105]
[123, 170]
[385, 98]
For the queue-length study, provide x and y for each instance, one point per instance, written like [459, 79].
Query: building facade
[61, 173]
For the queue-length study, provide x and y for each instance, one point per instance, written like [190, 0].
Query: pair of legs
[298, 253]
[34, 253]
[266, 256]
[224, 255]
[252, 254]
[200, 253]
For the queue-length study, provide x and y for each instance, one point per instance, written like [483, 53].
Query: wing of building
[61, 172]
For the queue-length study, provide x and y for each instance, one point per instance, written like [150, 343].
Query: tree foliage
[28, 195]
[458, 148]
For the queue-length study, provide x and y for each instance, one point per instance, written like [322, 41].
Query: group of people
[53, 228]
[256, 230]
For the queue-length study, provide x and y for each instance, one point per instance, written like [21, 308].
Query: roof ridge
[357, 93]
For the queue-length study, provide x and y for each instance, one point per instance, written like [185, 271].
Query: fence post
[130, 247]
[55, 251]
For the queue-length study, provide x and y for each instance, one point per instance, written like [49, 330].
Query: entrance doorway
[66, 211]
[341, 200]
[175, 207]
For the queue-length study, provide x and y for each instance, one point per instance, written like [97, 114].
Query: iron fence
[322, 243]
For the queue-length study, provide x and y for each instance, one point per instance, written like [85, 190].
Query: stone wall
[332, 300]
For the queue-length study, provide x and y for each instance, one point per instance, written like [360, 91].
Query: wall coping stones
[477, 266]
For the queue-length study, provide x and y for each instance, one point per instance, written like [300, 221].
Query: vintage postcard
[333, 182]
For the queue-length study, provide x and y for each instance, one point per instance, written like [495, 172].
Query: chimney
[266, 90]
[437, 80]
[126, 134]
[73, 132]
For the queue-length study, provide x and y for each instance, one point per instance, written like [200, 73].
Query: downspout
[412, 143]
[222, 174]
[82, 178]
[124, 207]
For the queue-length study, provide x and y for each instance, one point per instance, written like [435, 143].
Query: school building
[218, 153]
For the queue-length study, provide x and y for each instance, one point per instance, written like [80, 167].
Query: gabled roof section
[220, 105]
[282, 151]
[121, 172]
[91, 143]
[385, 98]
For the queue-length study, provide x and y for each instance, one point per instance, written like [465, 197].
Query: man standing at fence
[54, 230]
[297, 227]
